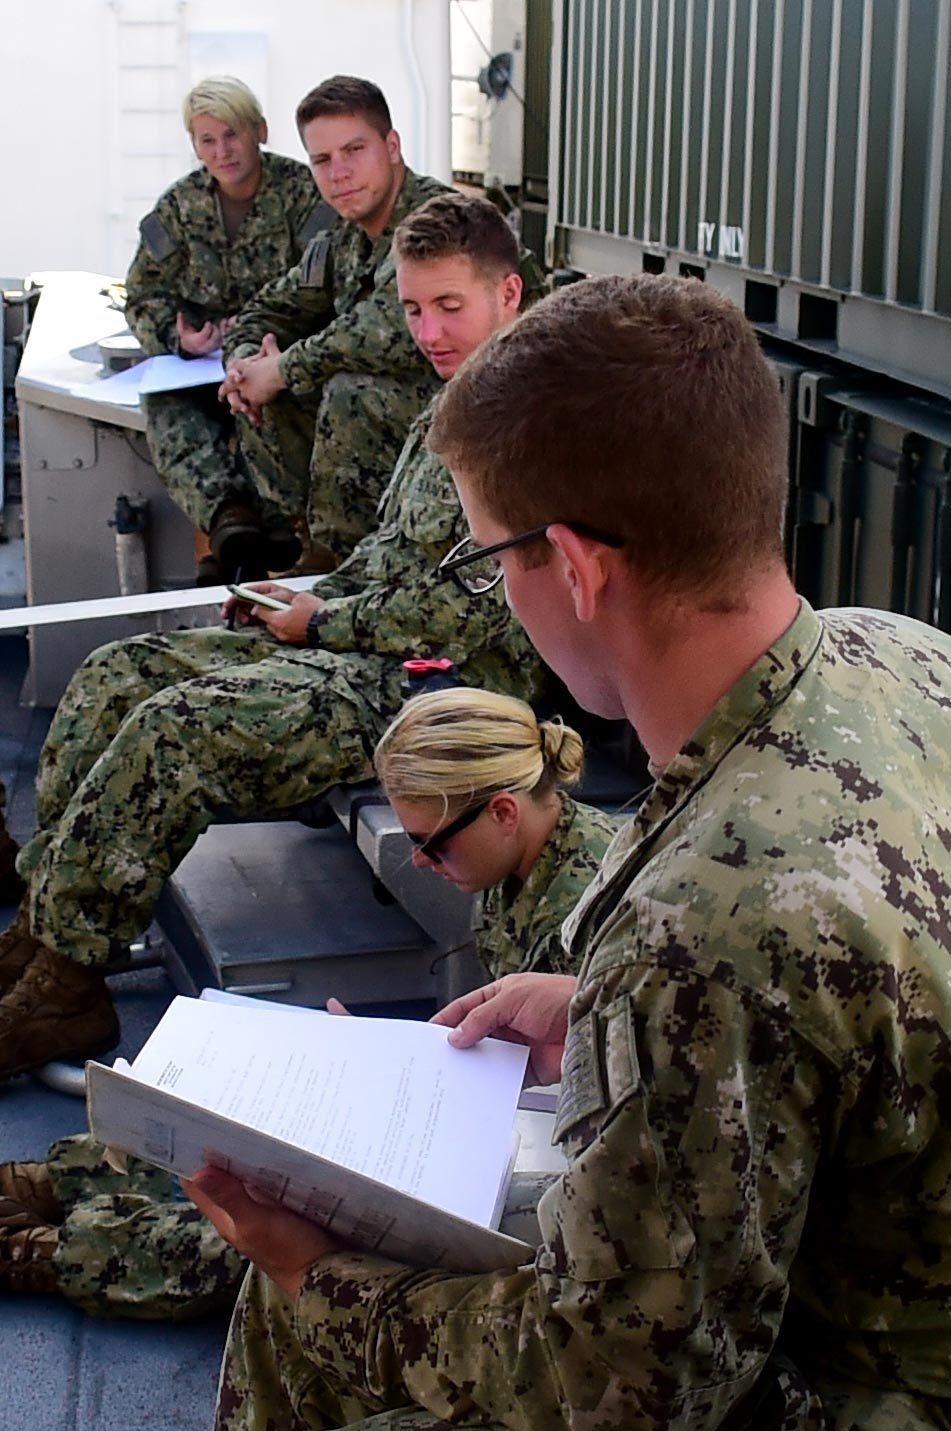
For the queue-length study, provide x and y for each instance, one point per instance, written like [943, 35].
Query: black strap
[361, 801]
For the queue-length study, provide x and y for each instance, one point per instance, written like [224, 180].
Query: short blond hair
[224, 98]
[463, 745]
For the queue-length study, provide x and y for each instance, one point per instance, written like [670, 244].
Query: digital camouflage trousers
[194, 445]
[327, 458]
[155, 737]
[130, 1245]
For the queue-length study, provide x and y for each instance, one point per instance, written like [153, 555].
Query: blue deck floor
[60, 1370]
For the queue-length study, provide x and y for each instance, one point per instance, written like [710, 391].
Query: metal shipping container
[795, 153]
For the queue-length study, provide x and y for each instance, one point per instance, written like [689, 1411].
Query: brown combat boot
[12, 888]
[26, 1260]
[238, 543]
[17, 947]
[28, 1186]
[56, 1009]
[208, 572]
[284, 546]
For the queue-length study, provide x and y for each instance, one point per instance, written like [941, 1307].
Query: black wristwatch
[312, 636]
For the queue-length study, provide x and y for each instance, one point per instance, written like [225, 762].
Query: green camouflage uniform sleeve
[184, 258]
[754, 1099]
[620, 1319]
[368, 332]
[154, 280]
[291, 307]
[521, 923]
[371, 338]
[394, 603]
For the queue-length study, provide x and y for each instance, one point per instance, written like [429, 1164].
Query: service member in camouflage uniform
[321, 359]
[517, 931]
[127, 1245]
[754, 1230]
[482, 767]
[213, 239]
[156, 735]
[320, 365]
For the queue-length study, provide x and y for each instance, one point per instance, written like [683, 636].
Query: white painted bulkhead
[91, 91]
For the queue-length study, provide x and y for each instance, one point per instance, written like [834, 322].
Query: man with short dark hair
[320, 365]
[754, 1228]
[156, 735]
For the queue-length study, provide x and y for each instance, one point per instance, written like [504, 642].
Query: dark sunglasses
[430, 845]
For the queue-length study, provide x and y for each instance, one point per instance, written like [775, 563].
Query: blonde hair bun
[462, 745]
[562, 751]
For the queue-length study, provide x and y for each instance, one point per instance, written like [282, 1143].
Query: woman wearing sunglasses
[477, 783]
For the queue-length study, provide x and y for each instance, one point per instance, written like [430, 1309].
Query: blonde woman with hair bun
[479, 785]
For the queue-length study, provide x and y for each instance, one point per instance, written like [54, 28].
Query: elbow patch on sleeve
[157, 238]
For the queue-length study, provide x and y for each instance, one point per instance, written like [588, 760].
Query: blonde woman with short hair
[213, 239]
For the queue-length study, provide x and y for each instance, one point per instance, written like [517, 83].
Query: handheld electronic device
[258, 598]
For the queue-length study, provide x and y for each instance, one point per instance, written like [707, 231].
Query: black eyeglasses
[431, 845]
[476, 570]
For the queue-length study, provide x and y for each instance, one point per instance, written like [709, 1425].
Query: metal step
[293, 914]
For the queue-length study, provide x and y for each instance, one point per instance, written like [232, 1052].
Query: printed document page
[390, 1099]
[170, 373]
[164, 373]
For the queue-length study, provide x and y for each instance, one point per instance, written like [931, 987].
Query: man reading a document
[754, 1229]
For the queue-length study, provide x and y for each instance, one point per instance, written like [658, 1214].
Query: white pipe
[431, 153]
[420, 100]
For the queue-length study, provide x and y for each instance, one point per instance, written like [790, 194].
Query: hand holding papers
[528, 1009]
[281, 1243]
[376, 1129]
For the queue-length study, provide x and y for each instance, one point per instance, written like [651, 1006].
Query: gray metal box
[801, 144]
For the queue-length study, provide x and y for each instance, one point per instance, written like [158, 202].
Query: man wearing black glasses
[156, 734]
[754, 1230]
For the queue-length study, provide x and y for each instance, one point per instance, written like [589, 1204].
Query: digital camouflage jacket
[386, 600]
[521, 923]
[184, 258]
[337, 310]
[756, 1096]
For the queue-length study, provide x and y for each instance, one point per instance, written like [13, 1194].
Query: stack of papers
[378, 1129]
[166, 373]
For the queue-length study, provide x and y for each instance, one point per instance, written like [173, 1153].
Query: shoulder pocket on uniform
[157, 238]
[322, 219]
[614, 1209]
[315, 265]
